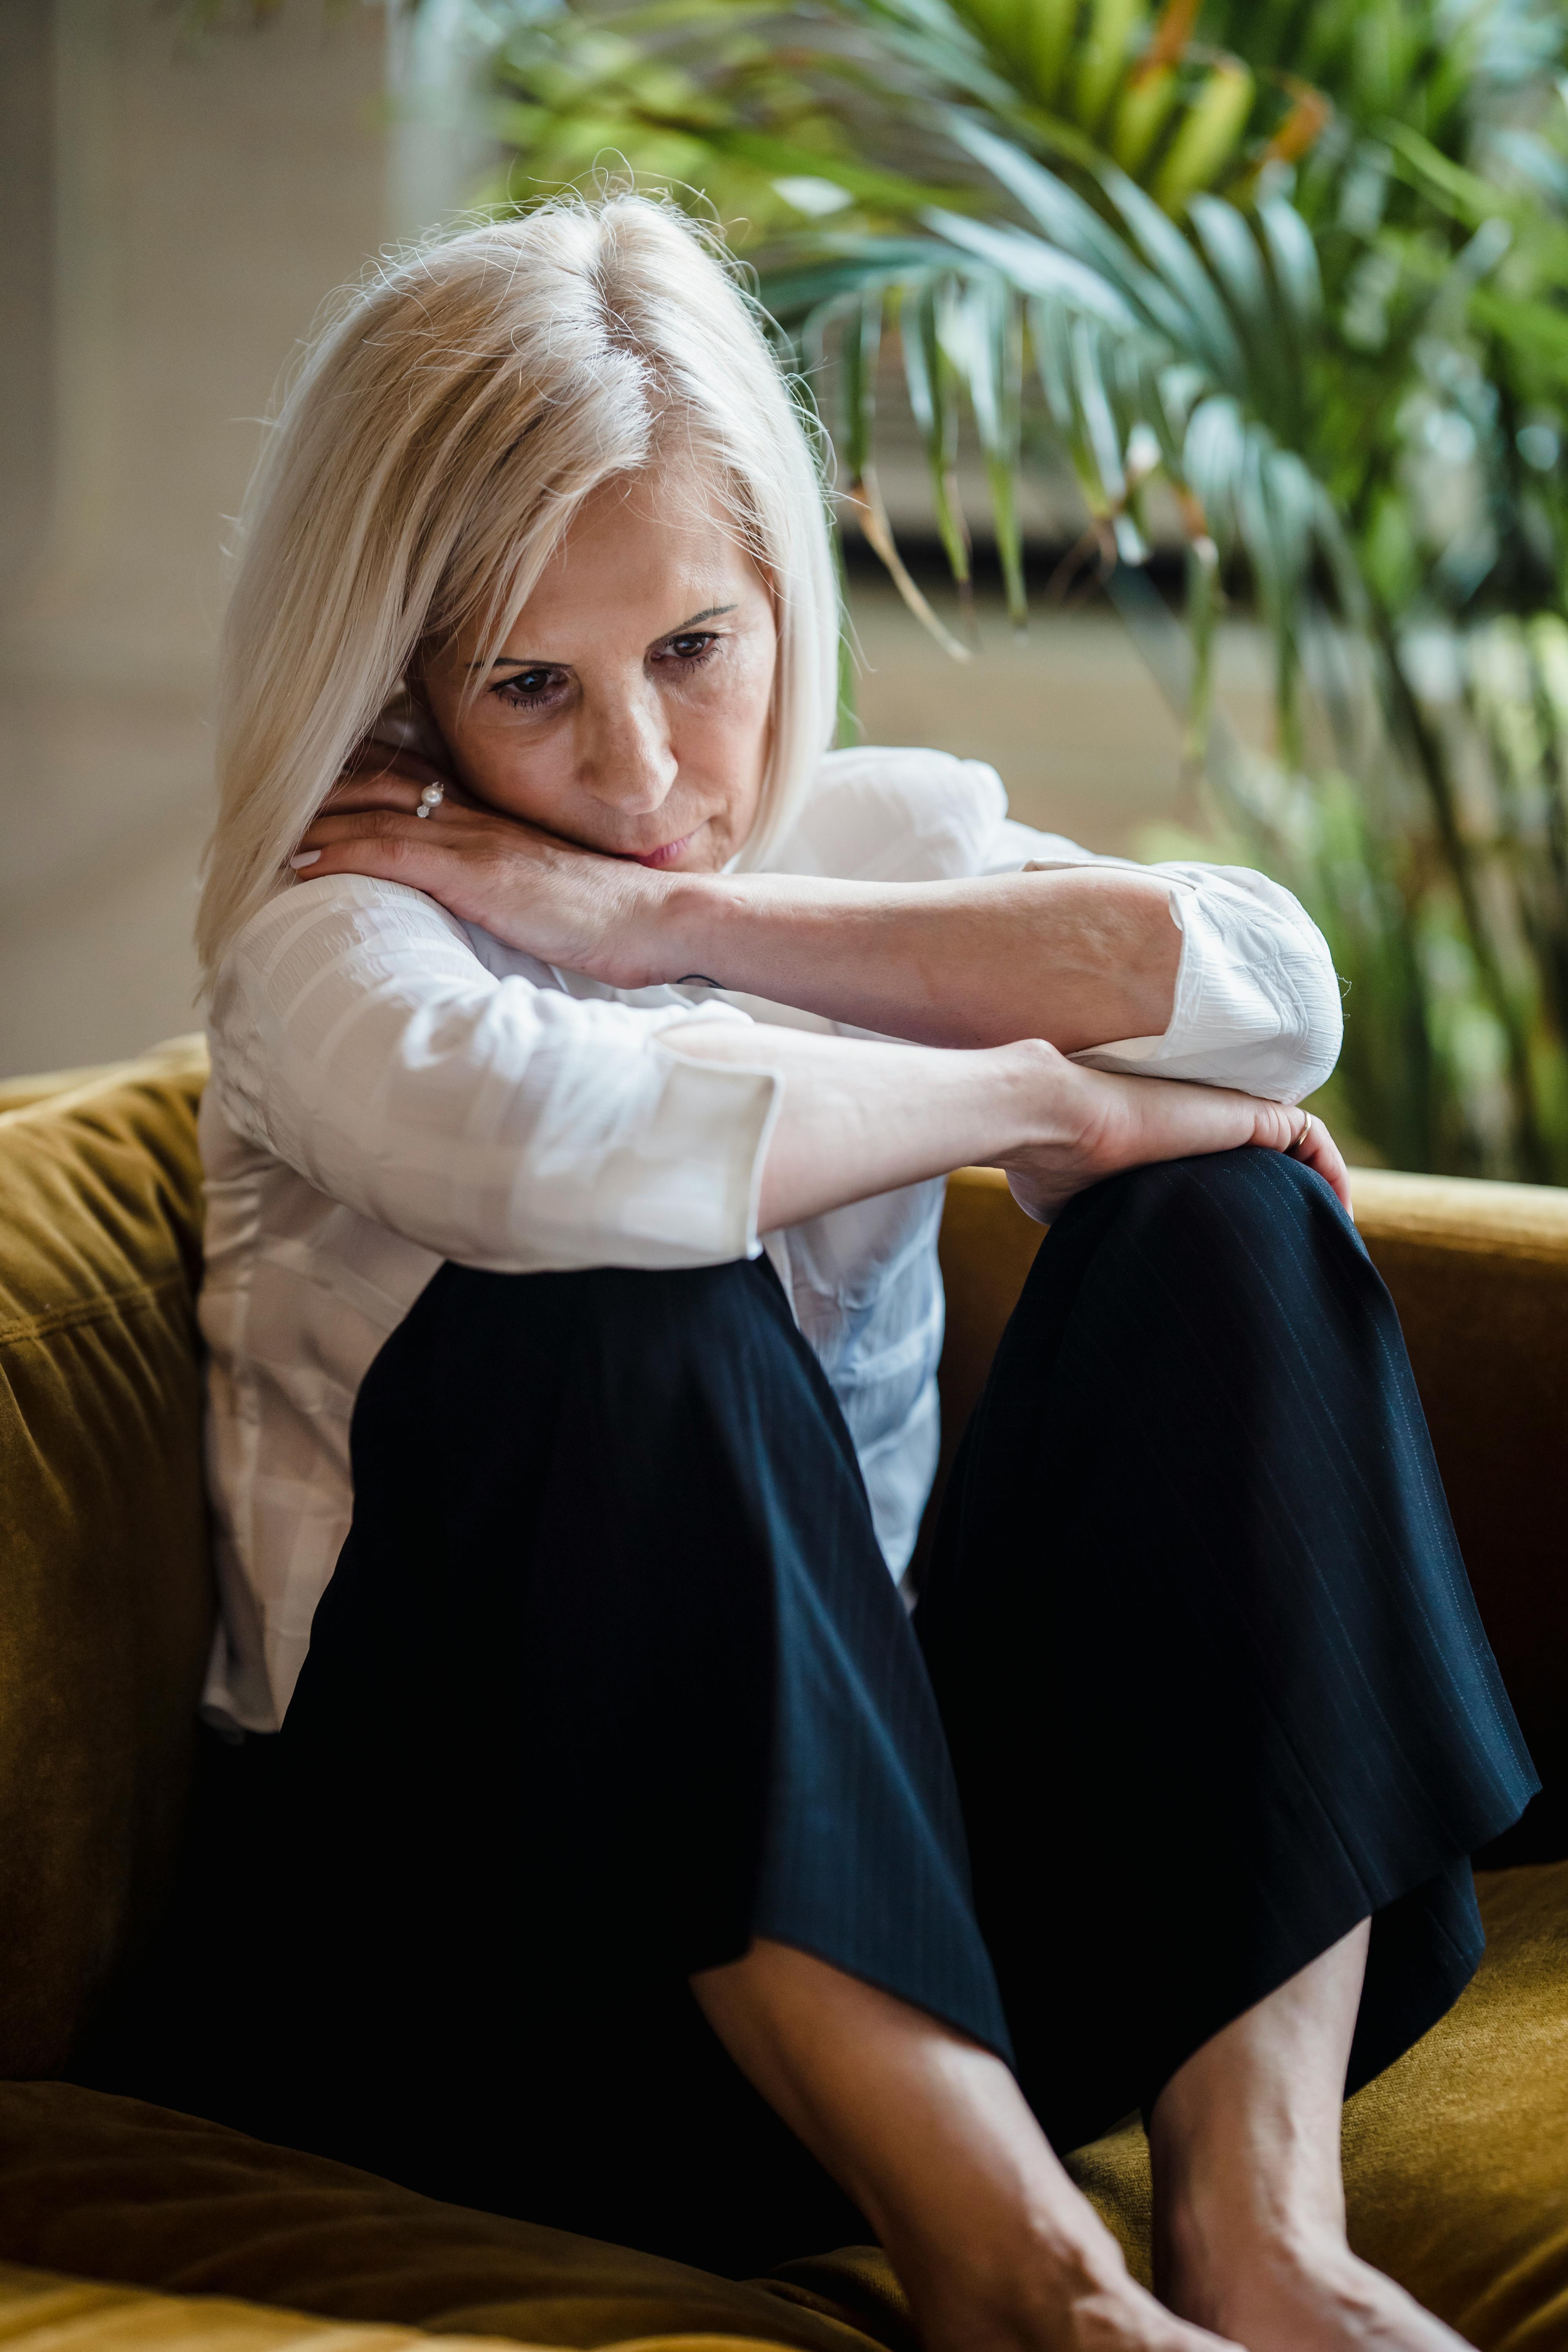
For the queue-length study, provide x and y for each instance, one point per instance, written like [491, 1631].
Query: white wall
[177, 213]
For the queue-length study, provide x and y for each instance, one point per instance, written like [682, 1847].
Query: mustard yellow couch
[122, 2224]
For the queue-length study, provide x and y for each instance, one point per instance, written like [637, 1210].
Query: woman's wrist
[1036, 1090]
[661, 932]
[681, 934]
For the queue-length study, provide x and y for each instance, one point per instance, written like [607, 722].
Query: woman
[589, 1046]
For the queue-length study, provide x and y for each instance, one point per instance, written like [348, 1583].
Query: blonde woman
[590, 1044]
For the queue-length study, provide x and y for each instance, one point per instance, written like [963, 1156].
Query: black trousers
[611, 1678]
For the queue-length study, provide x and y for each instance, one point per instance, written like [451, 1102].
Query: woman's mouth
[666, 855]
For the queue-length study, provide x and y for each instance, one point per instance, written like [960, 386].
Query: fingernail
[305, 857]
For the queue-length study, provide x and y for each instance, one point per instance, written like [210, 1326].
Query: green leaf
[1036, 268]
[1207, 135]
[993, 342]
[1104, 54]
[1210, 334]
[928, 373]
[1295, 260]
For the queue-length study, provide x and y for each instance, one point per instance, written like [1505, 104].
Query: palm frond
[1306, 270]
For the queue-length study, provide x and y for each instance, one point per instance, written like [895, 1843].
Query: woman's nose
[628, 758]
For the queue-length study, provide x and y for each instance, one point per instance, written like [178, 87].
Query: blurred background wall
[174, 216]
[176, 210]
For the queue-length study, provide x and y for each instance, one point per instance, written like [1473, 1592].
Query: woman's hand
[1100, 1123]
[546, 896]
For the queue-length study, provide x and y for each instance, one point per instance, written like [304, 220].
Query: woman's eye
[528, 687]
[694, 647]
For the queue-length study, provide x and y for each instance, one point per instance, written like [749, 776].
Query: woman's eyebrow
[709, 612]
[521, 661]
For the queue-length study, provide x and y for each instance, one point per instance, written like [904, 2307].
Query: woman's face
[629, 709]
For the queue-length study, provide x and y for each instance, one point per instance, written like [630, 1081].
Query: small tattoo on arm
[695, 980]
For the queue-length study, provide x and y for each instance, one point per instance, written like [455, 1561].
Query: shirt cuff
[1255, 1002]
[725, 1113]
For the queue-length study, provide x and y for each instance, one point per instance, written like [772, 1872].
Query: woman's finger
[352, 795]
[375, 840]
[361, 788]
[1316, 1149]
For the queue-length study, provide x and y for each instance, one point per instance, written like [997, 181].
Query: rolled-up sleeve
[1257, 1000]
[511, 1127]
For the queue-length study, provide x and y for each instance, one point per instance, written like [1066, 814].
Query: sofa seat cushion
[98, 2187]
[1453, 2174]
[40, 2312]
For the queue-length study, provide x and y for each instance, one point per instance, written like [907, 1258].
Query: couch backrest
[105, 1590]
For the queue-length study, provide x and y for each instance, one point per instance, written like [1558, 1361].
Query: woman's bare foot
[1249, 2211]
[995, 2248]
[1085, 2304]
[1057, 2283]
[1312, 2298]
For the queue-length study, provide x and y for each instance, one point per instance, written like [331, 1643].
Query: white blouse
[392, 1087]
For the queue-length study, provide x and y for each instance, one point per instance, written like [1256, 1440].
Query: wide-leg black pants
[611, 1678]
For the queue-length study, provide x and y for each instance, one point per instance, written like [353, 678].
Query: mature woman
[590, 1045]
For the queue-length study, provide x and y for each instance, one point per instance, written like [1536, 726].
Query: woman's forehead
[650, 560]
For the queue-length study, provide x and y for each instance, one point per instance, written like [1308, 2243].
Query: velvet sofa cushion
[105, 1588]
[40, 2313]
[97, 2187]
[1453, 2175]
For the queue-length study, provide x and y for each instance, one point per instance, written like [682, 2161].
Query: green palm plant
[1302, 268]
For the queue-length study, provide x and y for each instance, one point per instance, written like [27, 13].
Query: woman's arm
[358, 1039]
[1212, 974]
[1080, 957]
[857, 1118]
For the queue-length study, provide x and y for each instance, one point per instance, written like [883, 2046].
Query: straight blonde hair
[444, 427]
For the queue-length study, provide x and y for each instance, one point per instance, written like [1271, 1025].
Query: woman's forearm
[1081, 956]
[859, 1117]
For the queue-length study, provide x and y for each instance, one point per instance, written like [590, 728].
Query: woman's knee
[592, 1401]
[564, 1466]
[570, 1416]
[1169, 1280]
[1256, 1223]
[1251, 1189]
[517, 1323]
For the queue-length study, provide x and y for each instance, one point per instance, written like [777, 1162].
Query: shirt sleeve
[358, 1038]
[1256, 998]
[1256, 1002]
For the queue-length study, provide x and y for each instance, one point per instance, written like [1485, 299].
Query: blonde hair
[442, 431]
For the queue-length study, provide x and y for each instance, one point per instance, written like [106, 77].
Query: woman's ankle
[1006, 2277]
[1213, 2256]
[1025, 2309]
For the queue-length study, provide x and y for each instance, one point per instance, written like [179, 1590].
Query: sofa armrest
[1479, 1275]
